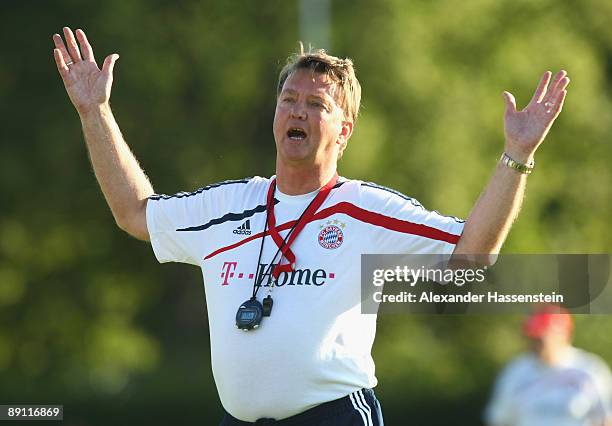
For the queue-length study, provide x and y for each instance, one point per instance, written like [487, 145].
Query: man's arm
[491, 217]
[124, 184]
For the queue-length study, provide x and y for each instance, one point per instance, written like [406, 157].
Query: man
[555, 383]
[280, 255]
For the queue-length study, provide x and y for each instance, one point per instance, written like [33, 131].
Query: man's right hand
[124, 184]
[87, 85]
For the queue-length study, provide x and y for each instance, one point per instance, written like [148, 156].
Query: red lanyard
[304, 219]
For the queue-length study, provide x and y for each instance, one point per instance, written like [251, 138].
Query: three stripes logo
[244, 229]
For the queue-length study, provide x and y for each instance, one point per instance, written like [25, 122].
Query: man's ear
[345, 133]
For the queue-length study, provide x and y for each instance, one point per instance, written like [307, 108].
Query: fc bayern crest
[331, 237]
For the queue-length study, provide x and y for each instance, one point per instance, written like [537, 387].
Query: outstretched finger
[59, 45]
[86, 49]
[555, 86]
[559, 100]
[109, 64]
[73, 48]
[510, 102]
[561, 85]
[541, 90]
[61, 63]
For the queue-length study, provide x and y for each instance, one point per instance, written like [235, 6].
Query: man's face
[549, 345]
[309, 126]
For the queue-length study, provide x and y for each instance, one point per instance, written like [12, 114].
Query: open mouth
[296, 134]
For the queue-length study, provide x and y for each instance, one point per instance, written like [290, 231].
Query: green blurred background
[88, 319]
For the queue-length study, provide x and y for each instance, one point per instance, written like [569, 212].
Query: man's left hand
[525, 130]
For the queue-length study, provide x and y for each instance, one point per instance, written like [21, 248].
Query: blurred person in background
[554, 383]
[310, 361]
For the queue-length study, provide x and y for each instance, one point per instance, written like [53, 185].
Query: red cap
[550, 316]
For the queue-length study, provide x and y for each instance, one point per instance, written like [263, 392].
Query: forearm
[491, 218]
[124, 184]
[489, 222]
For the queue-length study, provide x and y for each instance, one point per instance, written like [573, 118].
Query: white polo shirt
[316, 345]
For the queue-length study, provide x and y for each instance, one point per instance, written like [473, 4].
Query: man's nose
[298, 112]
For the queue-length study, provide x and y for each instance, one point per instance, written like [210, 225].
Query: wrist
[510, 162]
[519, 155]
[96, 110]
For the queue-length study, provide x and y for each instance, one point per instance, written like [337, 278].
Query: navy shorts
[361, 408]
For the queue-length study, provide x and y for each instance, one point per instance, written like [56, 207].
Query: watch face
[247, 315]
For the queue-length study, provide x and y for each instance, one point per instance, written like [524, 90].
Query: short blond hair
[340, 71]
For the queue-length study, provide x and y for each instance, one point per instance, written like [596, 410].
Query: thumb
[109, 63]
[510, 102]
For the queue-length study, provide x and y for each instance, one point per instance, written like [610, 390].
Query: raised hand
[87, 85]
[525, 130]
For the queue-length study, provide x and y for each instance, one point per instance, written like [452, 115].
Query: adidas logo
[244, 229]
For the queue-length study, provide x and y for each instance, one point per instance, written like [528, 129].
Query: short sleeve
[180, 225]
[168, 217]
[602, 378]
[405, 226]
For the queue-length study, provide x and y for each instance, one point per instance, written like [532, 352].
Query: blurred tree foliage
[89, 319]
